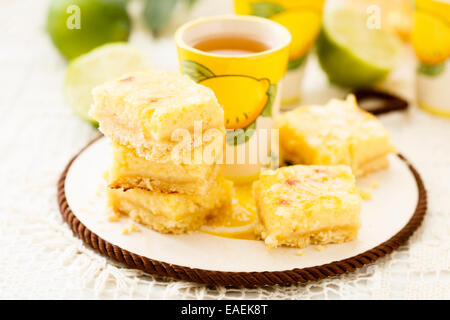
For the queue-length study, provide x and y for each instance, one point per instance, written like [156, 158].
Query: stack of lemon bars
[155, 178]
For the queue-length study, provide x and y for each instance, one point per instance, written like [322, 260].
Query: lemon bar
[129, 171]
[301, 205]
[338, 133]
[143, 110]
[172, 212]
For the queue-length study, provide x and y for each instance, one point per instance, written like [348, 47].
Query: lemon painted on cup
[303, 19]
[297, 22]
[430, 38]
[431, 41]
[243, 97]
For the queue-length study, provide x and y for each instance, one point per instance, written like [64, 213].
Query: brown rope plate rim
[246, 279]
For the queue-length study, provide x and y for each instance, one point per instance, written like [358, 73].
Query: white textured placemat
[39, 256]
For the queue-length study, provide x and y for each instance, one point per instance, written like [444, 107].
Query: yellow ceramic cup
[431, 41]
[303, 19]
[246, 85]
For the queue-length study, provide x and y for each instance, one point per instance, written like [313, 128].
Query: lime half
[352, 53]
[96, 67]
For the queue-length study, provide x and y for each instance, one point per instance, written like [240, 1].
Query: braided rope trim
[246, 279]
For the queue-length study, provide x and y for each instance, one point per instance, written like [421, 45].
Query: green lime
[96, 67]
[78, 26]
[352, 53]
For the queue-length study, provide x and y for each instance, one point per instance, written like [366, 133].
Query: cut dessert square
[131, 171]
[144, 109]
[301, 205]
[338, 133]
[172, 212]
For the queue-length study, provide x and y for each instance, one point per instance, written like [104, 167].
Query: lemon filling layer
[301, 205]
[337, 133]
[129, 170]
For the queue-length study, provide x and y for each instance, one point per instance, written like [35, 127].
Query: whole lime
[77, 26]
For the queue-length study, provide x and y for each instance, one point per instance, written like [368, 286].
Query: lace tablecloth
[39, 256]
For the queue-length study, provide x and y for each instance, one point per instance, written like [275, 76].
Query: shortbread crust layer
[173, 212]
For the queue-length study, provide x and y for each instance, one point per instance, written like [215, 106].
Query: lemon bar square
[301, 205]
[338, 133]
[172, 212]
[144, 109]
[131, 171]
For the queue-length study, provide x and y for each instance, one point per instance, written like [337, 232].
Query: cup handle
[386, 102]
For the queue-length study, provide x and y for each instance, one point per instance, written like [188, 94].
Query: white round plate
[392, 205]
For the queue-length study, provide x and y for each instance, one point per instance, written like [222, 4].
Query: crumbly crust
[171, 212]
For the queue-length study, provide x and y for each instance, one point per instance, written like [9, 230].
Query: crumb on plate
[131, 228]
[365, 194]
[374, 184]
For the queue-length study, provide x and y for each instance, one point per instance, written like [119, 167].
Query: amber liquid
[231, 45]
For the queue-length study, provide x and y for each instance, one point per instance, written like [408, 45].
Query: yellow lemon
[304, 27]
[316, 5]
[439, 9]
[267, 9]
[242, 98]
[430, 38]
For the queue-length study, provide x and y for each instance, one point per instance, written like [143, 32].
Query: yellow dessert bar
[145, 109]
[131, 171]
[301, 205]
[338, 133]
[172, 212]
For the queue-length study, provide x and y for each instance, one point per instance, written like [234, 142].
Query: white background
[39, 256]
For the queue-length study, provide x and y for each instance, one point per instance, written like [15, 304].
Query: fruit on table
[77, 26]
[242, 98]
[96, 67]
[430, 38]
[352, 54]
